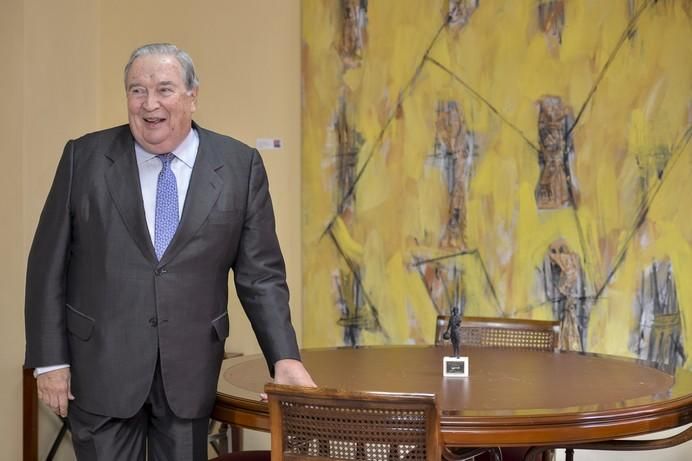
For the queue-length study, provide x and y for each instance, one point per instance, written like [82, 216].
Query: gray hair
[188, 67]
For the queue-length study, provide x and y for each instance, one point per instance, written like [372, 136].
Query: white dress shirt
[149, 168]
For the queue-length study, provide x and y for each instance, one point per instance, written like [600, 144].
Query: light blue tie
[166, 221]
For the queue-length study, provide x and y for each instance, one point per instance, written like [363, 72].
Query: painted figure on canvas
[551, 18]
[659, 336]
[353, 33]
[567, 284]
[556, 186]
[454, 146]
[459, 12]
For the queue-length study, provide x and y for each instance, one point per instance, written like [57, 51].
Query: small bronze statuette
[453, 331]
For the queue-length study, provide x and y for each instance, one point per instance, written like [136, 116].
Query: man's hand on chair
[293, 372]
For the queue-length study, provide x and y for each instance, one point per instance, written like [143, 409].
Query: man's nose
[152, 101]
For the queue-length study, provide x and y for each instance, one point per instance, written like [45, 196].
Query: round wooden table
[510, 398]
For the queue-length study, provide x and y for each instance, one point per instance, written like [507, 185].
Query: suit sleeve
[260, 274]
[46, 335]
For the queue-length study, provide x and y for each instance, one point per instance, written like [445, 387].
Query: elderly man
[127, 280]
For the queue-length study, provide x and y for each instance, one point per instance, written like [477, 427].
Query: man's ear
[193, 95]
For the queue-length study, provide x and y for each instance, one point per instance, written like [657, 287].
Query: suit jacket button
[160, 271]
[153, 321]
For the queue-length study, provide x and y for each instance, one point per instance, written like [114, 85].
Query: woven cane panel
[354, 433]
[510, 338]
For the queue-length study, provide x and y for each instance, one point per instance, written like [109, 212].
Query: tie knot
[166, 159]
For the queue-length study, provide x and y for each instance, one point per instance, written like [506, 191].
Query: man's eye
[166, 90]
[136, 91]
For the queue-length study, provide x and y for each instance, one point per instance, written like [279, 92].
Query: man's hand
[290, 371]
[54, 390]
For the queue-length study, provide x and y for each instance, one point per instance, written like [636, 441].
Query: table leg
[236, 438]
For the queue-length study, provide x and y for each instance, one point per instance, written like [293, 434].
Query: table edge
[457, 430]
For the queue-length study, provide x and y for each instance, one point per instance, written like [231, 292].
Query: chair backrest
[326, 424]
[508, 333]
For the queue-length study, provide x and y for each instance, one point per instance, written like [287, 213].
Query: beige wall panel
[61, 82]
[11, 269]
[61, 101]
[248, 58]
[64, 65]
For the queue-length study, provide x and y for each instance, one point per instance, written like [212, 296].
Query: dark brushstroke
[475, 253]
[631, 26]
[485, 101]
[640, 218]
[380, 136]
[373, 310]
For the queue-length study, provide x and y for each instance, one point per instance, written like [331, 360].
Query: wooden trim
[29, 416]
[241, 413]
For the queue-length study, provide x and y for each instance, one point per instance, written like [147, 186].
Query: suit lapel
[203, 191]
[122, 180]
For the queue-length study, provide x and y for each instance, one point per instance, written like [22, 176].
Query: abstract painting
[512, 159]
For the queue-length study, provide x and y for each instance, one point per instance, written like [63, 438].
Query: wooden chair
[542, 335]
[30, 420]
[218, 437]
[317, 424]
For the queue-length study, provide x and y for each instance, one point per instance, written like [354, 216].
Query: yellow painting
[525, 159]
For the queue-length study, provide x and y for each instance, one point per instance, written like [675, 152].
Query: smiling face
[159, 105]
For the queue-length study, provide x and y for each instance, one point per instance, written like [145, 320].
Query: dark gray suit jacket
[98, 299]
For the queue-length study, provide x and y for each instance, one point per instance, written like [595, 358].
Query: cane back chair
[317, 424]
[542, 335]
[508, 333]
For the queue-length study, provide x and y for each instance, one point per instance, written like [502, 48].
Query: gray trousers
[154, 430]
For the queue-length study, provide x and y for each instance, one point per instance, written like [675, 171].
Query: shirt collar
[186, 152]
